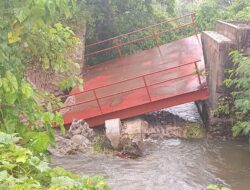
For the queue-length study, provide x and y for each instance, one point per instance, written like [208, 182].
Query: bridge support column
[113, 131]
[202, 107]
[217, 45]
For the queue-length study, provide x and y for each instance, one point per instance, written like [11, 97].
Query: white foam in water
[186, 111]
[172, 142]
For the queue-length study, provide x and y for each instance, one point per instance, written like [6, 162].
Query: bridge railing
[97, 98]
[118, 42]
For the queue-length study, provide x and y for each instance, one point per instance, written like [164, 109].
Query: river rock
[81, 127]
[78, 139]
[65, 146]
[129, 149]
[81, 140]
[194, 131]
[165, 124]
[164, 118]
[102, 143]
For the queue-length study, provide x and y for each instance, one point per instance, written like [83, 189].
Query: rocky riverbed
[134, 131]
[169, 163]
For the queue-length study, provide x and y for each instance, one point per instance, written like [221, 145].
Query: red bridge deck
[161, 77]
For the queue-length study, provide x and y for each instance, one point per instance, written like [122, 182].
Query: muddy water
[170, 164]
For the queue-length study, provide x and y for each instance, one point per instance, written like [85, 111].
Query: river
[170, 164]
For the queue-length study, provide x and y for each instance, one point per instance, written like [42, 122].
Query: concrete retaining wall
[215, 49]
[228, 35]
[238, 32]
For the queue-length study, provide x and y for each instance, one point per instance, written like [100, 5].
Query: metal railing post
[155, 37]
[117, 43]
[99, 105]
[145, 84]
[129, 79]
[197, 72]
[194, 24]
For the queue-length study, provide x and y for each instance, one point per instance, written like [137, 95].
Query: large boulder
[81, 127]
[79, 138]
[129, 149]
[102, 144]
[65, 146]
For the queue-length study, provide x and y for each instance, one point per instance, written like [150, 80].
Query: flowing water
[170, 164]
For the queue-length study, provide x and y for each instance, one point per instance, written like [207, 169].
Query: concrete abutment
[228, 36]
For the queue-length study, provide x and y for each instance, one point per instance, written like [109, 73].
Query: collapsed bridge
[164, 76]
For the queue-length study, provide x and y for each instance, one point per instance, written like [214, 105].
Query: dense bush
[239, 82]
[237, 104]
[115, 17]
[20, 169]
[208, 11]
[34, 33]
[216, 187]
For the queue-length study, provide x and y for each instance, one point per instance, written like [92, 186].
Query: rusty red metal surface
[161, 77]
[153, 31]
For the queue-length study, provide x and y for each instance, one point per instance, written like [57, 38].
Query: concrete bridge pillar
[216, 48]
[113, 131]
[228, 36]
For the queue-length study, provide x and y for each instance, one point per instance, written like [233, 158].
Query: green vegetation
[102, 145]
[20, 169]
[208, 11]
[32, 34]
[115, 17]
[237, 104]
[239, 84]
[40, 34]
[224, 107]
[35, 33]
[194, 131]
[216, 187]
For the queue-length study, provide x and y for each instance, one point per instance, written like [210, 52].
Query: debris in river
[79, 138]
[129, 148]
[125, 138]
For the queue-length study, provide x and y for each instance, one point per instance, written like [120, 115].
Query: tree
[239, 83]
[32, 33]
[115, 17]
[208, 11]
